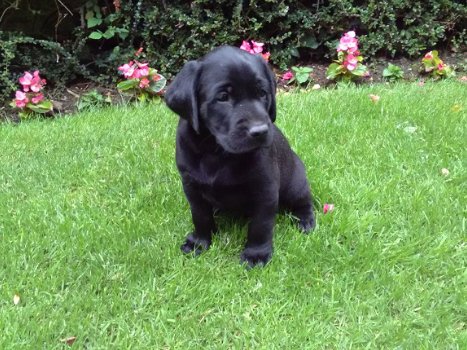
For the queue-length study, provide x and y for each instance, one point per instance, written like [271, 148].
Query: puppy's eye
[223, 96]
[262, 93]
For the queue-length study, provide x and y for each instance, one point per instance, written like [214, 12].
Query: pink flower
[287, 75]
[254, 48]
[136, 74]
[441, 66]
[21, 99]
[350, 62]
[25, 80]
[156, 77]
[32, 81]
[144, 83]
[257, 47]
[143, 69]
[266, 56]
[137, 53]
[246, 46]
[36, 82]
[38, 98]
[428, 56]
[20, 104]
[348, 43]
[328, 208]
[20, 95]
[127, 69]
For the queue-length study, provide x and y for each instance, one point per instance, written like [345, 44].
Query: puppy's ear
[181, 96]
[272, 87]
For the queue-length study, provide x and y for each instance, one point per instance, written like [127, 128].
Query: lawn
[92, 215]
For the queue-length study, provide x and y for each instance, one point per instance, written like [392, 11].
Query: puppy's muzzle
[258, 131]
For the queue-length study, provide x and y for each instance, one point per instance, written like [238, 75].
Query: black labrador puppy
[229, 153]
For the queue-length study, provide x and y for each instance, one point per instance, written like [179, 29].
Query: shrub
[393, 73]
[92, 99]
[301, 75]
[37, 35]
[59, 63]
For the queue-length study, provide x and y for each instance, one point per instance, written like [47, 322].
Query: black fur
[230, 154]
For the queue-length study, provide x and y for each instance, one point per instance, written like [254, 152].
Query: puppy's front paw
[194, 244]
[256, 256]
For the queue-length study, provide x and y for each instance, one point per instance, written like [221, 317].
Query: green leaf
[393, 72]
[142, 97]
[310, 42]
[97, 10]
[302, 69]
[333, 71]
[96, 35]
[302, 78]
[127, 84]
[24, 115]
[294, 52]
[360, 70]
[122, 33]
[109, 33]
[89, 14]
[41, 107]
[93, 22]
[157, 86]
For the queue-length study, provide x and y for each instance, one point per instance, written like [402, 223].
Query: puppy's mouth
[238, 144]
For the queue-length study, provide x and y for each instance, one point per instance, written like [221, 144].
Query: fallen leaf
[316, 87]
[463, 78]
[456, 108]
[445, 172]
[374, 98]
[69, 340]
[328, 208]
[16, 299]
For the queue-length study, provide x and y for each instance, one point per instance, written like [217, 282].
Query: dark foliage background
[54, 35]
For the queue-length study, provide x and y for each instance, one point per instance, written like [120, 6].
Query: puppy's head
[230, 94]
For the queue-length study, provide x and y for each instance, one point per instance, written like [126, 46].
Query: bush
[19, 53]
[103, 34]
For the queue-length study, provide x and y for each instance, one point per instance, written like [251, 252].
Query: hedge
[72, 39]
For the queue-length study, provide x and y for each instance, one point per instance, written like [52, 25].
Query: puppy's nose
[258, 130]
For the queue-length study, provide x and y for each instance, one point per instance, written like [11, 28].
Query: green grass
[92, 215]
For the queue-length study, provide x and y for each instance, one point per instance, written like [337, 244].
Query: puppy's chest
[211, 173]
[224, 185]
